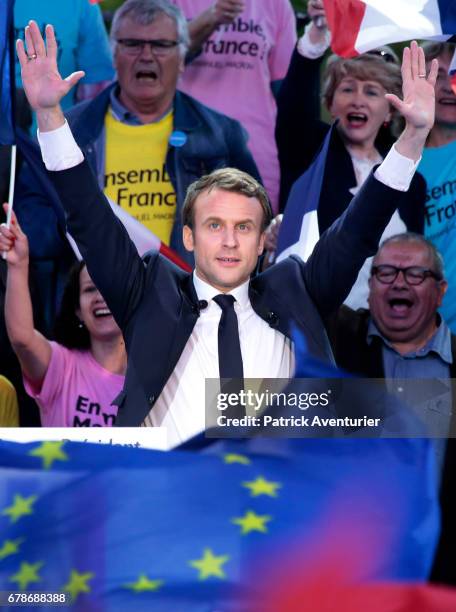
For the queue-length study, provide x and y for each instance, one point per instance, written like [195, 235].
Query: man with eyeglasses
[172, 345]
[402, 334]
[145, 140]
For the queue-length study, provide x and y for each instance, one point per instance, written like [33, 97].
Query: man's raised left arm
[343, 248]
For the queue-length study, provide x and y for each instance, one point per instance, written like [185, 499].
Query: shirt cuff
[308, 49]
[396, 170]
[59, 149]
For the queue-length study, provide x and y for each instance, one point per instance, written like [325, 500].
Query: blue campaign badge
[178, 139]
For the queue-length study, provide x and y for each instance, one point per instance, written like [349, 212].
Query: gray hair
[412, 238]
[144, 12]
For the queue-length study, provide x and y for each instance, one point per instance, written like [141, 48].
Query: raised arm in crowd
[169, 318]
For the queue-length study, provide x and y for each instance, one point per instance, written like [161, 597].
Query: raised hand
[418, 105]
[42, 82]
[13, 242]
[226, 11]
[316, 12]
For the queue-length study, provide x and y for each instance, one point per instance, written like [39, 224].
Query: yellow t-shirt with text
[135, 174]
[9, 409]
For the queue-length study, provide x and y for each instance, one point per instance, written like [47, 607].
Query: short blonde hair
[363, 67]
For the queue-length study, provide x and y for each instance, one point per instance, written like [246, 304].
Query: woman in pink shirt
[74, 379]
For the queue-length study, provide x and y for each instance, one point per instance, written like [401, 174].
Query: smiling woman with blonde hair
[365, 126]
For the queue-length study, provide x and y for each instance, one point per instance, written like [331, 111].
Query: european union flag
[116, 528]
[6, 73]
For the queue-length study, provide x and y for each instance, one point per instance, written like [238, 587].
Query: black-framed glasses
[135, 46]
[414, 275]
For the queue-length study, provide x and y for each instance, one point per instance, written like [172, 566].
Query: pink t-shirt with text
[233, 74]
[76, 391]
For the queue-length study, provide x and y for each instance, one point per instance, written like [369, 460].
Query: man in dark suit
[170, 319]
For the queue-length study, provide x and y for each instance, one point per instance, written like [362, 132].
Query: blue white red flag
[360, 25]
[299, 231]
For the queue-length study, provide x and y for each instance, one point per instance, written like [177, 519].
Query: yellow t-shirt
[9, 409]
[135, 174]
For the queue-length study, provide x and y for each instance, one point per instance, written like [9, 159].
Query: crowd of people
[196, 117]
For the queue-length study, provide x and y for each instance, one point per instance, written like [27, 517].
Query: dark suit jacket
[155, 303]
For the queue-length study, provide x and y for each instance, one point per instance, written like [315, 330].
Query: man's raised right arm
[112, 259]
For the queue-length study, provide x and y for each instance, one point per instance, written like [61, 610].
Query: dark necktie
[229, 352]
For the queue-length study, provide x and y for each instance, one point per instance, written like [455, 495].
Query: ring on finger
[32, 56]
[421, 76]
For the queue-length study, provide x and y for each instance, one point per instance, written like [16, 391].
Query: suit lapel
[272, 312]
[189, 314]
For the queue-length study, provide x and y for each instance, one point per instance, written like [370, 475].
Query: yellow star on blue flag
[144, 584]
[261, 486]
[21, 506]
[50, 451]
[252, 522]
[10, 547]
[28, 573]
[210, 565]
[77, 584]
[231, 458]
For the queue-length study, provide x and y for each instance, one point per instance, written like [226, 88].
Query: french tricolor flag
[358, 26]
[299, 232]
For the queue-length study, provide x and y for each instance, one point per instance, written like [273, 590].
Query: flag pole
[11, 184]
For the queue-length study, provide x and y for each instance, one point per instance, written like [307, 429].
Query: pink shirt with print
[76, 391]
[234, 71]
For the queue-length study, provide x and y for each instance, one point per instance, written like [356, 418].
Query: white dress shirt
[266, 352]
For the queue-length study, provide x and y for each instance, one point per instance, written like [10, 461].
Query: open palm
[42, 82]
[418, 104]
